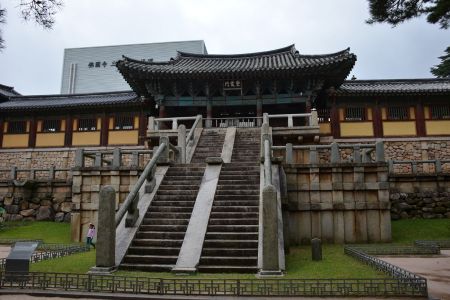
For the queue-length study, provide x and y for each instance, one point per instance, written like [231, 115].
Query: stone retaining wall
[40, 202]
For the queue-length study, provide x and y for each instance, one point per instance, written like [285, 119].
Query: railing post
[135, 159]
[379, 151]
[313, 157]
[357, 154]
[174, 124]
[51, 173]
[133, 212]
[13, 172]
[267, 160]
[414, 167]
[182, 143]
[32, 174]
[335, 155]
[289, 153]
[265, 118]
[165, 154]
[438, 166]
[151, 124]
[366, 156]
[151, 181]
[290, 121]
[79, 157]
[313, 119]
[116, 158]
[390, 166]
[98, 159]
[200, 123]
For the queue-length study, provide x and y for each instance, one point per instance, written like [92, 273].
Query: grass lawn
[49, 232]
[335, 263]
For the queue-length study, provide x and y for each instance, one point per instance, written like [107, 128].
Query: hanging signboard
[232, 85]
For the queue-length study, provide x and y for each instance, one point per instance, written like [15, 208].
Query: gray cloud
[32, 61]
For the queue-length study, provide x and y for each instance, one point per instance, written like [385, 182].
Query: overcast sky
[32, 61]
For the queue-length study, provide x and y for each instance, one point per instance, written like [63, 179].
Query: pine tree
[442, 70]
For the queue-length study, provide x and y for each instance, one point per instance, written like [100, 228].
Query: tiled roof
[283, 60]
[394, 87]
[7, 91]
[50, 102]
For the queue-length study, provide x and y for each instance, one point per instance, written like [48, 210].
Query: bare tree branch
[40, 11]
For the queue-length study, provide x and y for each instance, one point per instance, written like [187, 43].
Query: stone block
[27, 212]
[59, 217]
[373, 226]
[349, 226]
[8, 200]
[45, 213]
[66, 207]
[338, 227]
[76, 189]
[12, 209]
[95, 188]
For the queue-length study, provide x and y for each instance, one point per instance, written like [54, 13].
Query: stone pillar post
[209, 114]
[289, 153]
[106, 234]
[270, 264]
[182, 143]
[259, 111]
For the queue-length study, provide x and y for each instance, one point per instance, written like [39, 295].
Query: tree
[42, 12]
[442, 70]
[395, 12]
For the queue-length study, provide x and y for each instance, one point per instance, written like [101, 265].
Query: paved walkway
[435, 269]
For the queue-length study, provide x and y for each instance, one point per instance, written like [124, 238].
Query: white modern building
[92, 69]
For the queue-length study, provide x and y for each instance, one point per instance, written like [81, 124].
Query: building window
[398, 113]
[51, 125]
[439, 112]
[17, 127]
[355, 114]
[324, 115]
[123, 122]
[87, 124]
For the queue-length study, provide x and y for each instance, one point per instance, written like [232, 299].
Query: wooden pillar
[68, 131]
[104, 130]
[2, 128]
[308, 104]
[420, 120]
[259, 104]
[32, 134]
[334, 119]
[142, 128]
[162, 111]
[377, 122]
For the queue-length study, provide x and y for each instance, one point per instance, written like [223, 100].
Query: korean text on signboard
[232, 85]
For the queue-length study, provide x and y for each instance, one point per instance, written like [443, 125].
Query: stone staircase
[231, 242]
[157, 243]
[209, 145]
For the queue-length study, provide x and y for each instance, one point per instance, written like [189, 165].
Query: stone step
[177, 192]
[237, 192]
[229, 260]
[157, 243]
[150, 221]
[236, 221]
[238, 173]
[168, 215]
[236, 244]
[230, 208]
[177, 198]
[236, 197]
[233, 215]
[230, 251]
[236, 186]
[164, 235]
[237, 177]
[232, 228]
[184, 209]
[151, 259]
[225, 203]
[158, 227]
[232, 235]
[238, 181]
[147, 267]
[177, 187]
[139, 250]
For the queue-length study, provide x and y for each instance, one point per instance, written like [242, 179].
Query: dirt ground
[435, 269]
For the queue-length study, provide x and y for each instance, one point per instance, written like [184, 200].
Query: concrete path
[4, 251]
[435, 269]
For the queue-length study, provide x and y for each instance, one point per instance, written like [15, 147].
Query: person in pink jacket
[90, 235]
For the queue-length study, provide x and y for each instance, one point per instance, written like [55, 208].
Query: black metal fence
[216, 287]
[442, 244]
[429, 249]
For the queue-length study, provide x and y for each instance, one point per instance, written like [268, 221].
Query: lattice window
[87, 124]
[324, 115]
[123, 122]
[17, 127]
[51, 125]
[355, 114]
[398, 113]
[439, 112]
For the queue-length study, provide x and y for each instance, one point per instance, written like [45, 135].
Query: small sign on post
[18, 261]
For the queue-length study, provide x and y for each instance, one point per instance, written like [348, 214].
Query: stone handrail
[414, 170]
[154, 123]
[100, 160]
[312, 119]
[197, 123]
[361, 152]
[131, 201]
[243, 122]
[51, 173]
